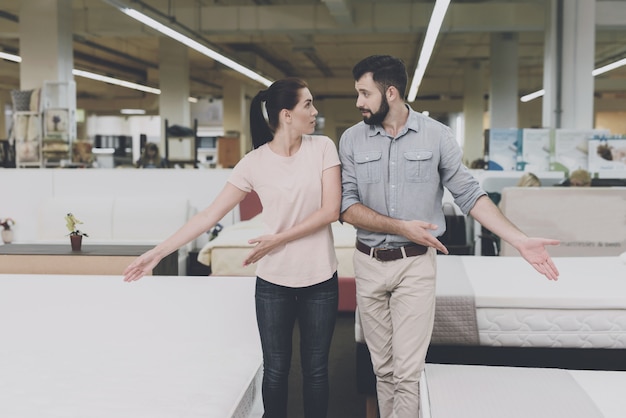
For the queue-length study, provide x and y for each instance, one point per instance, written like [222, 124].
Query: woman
[580, 178]
[297, 178]
[529, 180]
[151, 158]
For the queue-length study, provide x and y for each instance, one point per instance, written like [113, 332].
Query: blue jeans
[277, 308]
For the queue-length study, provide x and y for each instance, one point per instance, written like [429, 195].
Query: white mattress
[226, 253]
[94, 346]
[515, 306]
[518, 307]
[451, 391]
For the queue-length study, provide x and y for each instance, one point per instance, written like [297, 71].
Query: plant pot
[77, 242]
[7, 236]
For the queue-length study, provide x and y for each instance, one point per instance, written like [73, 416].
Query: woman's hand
[143, 265]
[264, 245]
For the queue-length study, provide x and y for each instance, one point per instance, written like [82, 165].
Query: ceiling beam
[340, 11]
[375, 17]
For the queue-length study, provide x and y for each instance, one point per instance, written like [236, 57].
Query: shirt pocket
[368, 166]
[417, 165]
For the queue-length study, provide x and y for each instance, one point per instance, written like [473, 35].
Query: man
[394, 167]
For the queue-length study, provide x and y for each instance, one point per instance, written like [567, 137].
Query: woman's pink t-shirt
[290, 189]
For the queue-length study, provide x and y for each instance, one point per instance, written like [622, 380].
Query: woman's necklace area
[285, 148]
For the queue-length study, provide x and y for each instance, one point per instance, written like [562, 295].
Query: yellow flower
[70, 222]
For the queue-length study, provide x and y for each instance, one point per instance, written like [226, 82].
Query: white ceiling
[318, 40]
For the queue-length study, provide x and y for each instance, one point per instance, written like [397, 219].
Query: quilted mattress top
[584, 283]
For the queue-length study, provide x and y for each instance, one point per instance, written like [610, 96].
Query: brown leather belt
[390, 254]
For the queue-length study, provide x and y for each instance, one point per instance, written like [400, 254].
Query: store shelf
[181, 145]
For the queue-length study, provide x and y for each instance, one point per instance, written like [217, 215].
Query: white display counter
[95, 346]
[452, 391]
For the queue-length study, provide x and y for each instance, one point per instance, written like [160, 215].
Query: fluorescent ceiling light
[533, 96]
[103, 150]
[10, 57]
[167, 31]
[117, 82]
[122, 83]
[100, 77]
[132, 111]
[594, 73]
[434, 26]
[609, 67]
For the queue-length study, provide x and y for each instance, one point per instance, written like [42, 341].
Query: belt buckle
[375, 253]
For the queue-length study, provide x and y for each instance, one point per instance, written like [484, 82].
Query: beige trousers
[396, 302]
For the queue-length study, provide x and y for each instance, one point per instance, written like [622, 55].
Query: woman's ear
[286, 115]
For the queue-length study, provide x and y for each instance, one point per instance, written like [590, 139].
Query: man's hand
[363, 217]
[532, 249]
[534, 252]
[417, 231]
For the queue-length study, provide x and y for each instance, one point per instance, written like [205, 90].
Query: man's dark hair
[386, 71]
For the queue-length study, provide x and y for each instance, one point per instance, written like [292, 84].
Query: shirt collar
[412, 123]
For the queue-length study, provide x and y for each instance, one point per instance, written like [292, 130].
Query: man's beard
[378, 117]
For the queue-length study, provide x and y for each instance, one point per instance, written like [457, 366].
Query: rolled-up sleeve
[463, 186]
[350, 191]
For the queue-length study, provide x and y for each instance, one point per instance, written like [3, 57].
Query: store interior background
[318, 40]
[487, 50]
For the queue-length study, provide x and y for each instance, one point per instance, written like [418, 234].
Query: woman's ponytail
[259, 128]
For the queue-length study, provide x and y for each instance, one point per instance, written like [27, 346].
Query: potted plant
[76, 236]
[7, 233]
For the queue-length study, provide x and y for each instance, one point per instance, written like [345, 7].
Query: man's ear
[392, 93]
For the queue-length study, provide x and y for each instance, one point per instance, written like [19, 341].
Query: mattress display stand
[92, 259]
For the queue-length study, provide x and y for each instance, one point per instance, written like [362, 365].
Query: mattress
[94, 346]
[516, 306]
[588, 221]
[451, 391]
[226, 253]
